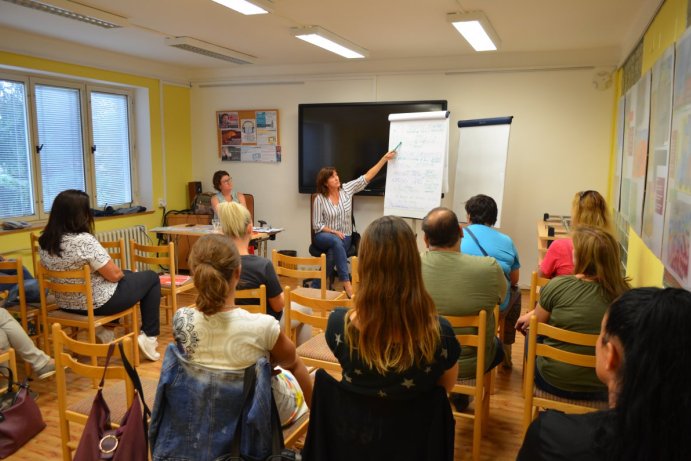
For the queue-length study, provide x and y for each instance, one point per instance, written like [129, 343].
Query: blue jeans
[31, 290]
[330, 242]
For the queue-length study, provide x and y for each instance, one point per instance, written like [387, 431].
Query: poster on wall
[618, 153]
[248, 136]
[636, 130]
[658, 157]
[676, 243]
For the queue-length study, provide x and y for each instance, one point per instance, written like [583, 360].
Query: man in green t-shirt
[461, 284]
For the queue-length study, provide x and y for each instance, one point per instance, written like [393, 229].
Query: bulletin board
[248, 136]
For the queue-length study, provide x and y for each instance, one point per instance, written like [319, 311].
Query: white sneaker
[148, 346]
[104, 335]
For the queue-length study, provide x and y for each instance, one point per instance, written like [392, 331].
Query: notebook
[179, 279]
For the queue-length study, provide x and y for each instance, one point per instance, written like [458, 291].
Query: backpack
[202, 203]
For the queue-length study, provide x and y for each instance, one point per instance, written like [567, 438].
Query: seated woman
[217, 334]
[223, 183]
[30, 287]
[331, 215]
[68, 243]
[587, 209]
[392, 343]
[236, 223]
[13, 335]
[642, 357]
[578, 303]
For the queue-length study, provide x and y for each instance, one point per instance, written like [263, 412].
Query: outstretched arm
[372, 172]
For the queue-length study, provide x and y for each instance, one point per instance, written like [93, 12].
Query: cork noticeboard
[248, 135]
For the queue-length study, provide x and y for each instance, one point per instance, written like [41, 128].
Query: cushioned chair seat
[540, 394]
[317, 349]
[115, 398]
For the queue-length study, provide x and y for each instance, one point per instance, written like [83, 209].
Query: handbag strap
[484, 253]
[134, 376]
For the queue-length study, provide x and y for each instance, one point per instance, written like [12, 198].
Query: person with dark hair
[588, 208]
[482, 239]
[218, 334]
[332, 211]
[642, 358]
[223, 183]
[392, 343]
[461, 285]
[68, 243]
[578, 303]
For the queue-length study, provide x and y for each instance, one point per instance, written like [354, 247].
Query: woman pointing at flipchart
[332, 210]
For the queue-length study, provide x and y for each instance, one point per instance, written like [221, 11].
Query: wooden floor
[501, 441]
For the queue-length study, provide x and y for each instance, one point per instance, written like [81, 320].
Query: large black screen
[349, 136]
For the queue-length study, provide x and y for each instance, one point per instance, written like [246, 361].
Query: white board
[417, 176]
[483, 146]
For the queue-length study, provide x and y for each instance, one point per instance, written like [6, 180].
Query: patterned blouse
[337, 217]
[365, 380]
[77, 250]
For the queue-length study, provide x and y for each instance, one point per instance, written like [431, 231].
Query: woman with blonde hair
[218, 334]
[588, 208]
[392, 343]
[578, 303]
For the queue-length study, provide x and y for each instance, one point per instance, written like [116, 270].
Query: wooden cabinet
[185, 242]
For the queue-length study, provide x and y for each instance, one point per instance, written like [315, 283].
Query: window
[57, 135]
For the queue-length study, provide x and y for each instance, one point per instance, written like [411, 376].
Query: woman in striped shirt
[332, 214]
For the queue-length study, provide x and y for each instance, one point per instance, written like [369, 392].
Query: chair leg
[477, 431]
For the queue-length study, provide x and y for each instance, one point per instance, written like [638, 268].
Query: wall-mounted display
[248, 136]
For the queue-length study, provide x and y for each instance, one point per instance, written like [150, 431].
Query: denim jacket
[197, 409]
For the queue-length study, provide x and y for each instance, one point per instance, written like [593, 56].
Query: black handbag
[20, 417]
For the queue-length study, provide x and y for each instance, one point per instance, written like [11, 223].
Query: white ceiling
[604, 31]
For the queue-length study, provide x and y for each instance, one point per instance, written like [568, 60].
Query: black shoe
[460, 401]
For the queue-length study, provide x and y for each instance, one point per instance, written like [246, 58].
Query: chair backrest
[34, 251]
[354, 264]
[320, 309]
[257, 294]
[65, 350]
[288, 266]
[16, 279]
[476, 338]
[249, 202]
[72, 281]
[153, 256]
[9, 359]
[539, 349]
[345, 425]
[116, 250]
[536, 283]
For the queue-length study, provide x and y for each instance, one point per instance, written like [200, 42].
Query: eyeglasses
[227, 181]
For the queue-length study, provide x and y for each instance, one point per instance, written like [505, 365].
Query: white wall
[560, 141]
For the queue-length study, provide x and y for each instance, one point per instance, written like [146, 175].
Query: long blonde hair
[214, 261]
[397, 324]
[234, 219]
[589, 208]
[596, 254]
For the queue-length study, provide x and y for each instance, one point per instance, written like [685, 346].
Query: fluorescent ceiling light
[329, 41]
[76, 11]
[247, 7]
[476, 29]
[210, 50]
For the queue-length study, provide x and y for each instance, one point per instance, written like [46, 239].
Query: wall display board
[636, 132]
[658, 157]
[676, 245]
[483, 146]
[618, 153]
[248, 136]
[415, 177]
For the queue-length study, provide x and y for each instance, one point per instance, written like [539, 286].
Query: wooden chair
[34, 251]
[315, 352]
[119, 396]
[257, 294]
[354, 264]
[536, 284]
[249, 201]
[536, 398]
[156, 256]
[78, 282]
[479, 386]
[8, 359]
[288, 266]
[22, 309]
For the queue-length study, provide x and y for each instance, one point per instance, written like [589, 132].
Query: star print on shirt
[381, 393]
[348, 379]
[338, 339]
[428, 369]
[408, 383]
[358, 371]
[444, 352]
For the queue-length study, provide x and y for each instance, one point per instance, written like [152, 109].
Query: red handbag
[125, 443]
[21, 420]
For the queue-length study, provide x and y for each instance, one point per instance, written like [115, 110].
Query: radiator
[136, 233]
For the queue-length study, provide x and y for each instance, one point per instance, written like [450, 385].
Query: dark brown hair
[322, 178]
[69, 214]
[217, 179]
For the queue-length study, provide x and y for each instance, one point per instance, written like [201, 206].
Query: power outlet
[161, 203]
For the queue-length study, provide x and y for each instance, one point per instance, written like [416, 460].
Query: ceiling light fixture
[476, 29]
[329, 41]
[76, 11]
[210, 50]
[247, 7]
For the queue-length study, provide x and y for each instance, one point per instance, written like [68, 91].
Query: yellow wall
[176, 112]
[644, 268]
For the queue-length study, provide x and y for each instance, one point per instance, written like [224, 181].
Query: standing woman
[392, 343]
[587, 209]
[577, 303]
[223, 183]
[68, 243]
[332, 211]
